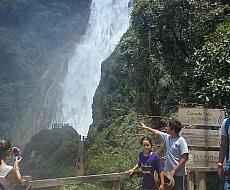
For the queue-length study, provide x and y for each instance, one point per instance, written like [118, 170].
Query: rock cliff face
[119, 89]
[37, 38]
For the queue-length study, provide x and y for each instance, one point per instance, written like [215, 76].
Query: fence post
[116, 185]
[24, 184]
[20, 187]
[201, 181]
[190, 181]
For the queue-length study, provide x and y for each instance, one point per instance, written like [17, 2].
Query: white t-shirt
[175, 148]
[4, 171]
[223, 132]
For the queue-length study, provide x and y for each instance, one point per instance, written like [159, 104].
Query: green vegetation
[175, 53]
[82, 187]
[51, 154]
[211, 73]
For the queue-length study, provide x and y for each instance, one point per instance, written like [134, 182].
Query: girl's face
[146, 146]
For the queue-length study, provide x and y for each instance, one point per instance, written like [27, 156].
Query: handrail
[28, 184]
[35, 184]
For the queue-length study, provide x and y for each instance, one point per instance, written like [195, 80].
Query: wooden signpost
[201, 160]
[201, 137]
[201, 116]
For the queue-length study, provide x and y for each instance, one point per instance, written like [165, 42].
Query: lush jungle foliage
[175, 53]
[187, 44]
[51, 153]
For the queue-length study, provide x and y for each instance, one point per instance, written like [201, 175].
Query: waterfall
[109, 20]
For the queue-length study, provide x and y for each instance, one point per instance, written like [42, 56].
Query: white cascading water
[109, 20]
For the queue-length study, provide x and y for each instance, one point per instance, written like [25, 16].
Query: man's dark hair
[175, 125]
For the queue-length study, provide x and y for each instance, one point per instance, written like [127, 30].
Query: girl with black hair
[149, 162]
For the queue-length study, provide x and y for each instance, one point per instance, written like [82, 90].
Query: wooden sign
[201, 137]
[202, 158]
[201, 116]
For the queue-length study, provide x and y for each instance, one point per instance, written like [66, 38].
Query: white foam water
[109, 20]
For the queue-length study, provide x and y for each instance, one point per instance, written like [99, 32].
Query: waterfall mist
[109, 20]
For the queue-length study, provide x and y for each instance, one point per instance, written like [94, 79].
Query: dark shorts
[179, 183]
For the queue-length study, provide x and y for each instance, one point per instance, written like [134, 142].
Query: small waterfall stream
[109, 20]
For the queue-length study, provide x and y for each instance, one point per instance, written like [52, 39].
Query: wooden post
[116, 185]
[196, 180]
[20, 187]
[190, 181]
[201, 181]
[80, 160]
[24, 184]
[201, 138]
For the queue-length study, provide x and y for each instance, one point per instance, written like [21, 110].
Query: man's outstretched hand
[142, 125]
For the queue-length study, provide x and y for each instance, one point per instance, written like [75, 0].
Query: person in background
[149, 161]
[9, 175]
[224, 153]
[176, 151]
